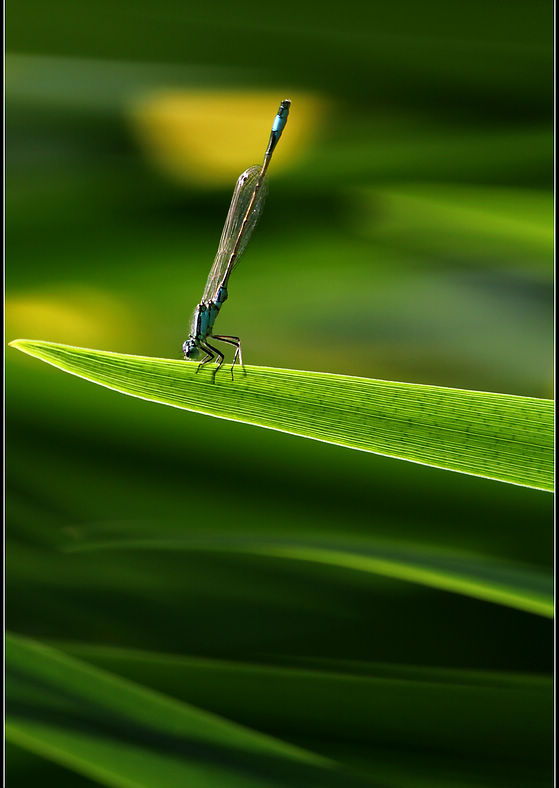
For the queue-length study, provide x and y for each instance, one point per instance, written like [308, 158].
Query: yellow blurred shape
[210, 138]
[75, 315]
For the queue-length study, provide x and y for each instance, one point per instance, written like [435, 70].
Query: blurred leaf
[387, 711]
[124, 735]
[519, 588]
[471, 224]
[499, 436]
[501, 582]
[443, 154]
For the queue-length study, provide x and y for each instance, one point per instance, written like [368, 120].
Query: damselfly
[245, 209]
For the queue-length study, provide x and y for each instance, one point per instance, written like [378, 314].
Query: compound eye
[190, 350]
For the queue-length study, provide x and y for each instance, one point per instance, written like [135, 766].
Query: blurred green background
[408, 235]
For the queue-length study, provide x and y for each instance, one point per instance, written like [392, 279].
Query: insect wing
[233, 228]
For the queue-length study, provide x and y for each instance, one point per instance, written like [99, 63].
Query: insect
[245, 209]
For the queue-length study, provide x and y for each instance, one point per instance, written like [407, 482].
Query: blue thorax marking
[202, 316]
[206, 314]
[200, 322]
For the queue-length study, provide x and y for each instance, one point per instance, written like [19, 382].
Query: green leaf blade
[504, 437]
[500, 582]
[125, 735]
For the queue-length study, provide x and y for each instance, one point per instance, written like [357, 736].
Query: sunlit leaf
[499, 436]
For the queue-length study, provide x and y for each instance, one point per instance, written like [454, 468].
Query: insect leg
[238, 352]
[208, 357]
[217, 353]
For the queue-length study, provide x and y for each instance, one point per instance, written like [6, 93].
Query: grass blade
[508, 583]
[125, 735]
[480, 716]
[498, 436]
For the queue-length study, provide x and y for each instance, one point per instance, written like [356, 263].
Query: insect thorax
[205, 315]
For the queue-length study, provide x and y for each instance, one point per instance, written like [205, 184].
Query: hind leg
[236, 342]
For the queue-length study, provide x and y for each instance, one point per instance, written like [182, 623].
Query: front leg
[215, 353]
[208, 357]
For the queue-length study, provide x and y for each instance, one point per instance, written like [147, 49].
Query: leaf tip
[25, 345]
